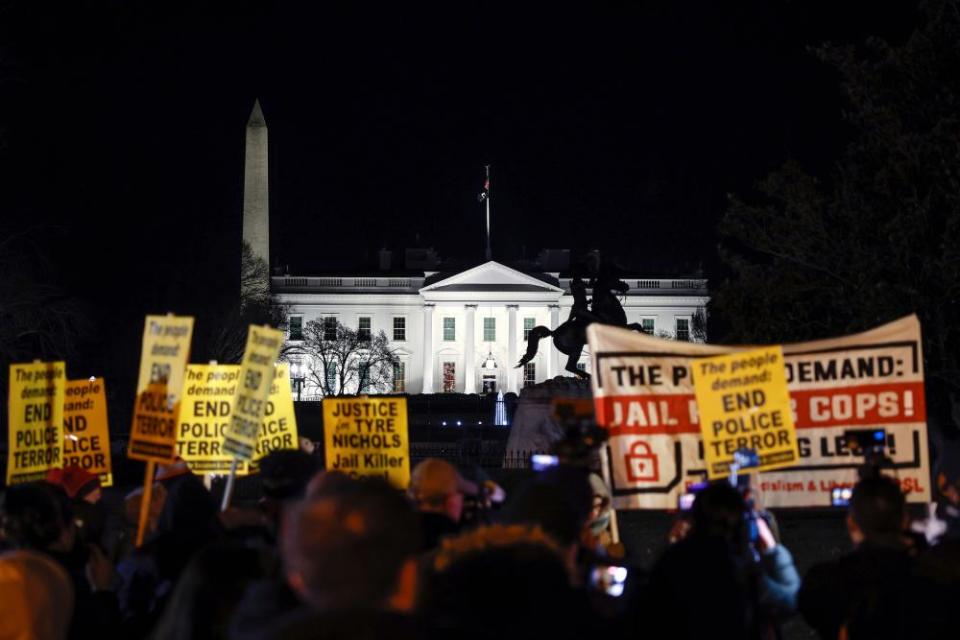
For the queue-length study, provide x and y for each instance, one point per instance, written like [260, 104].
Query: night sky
[618, 125]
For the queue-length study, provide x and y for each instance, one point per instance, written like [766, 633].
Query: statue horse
[571, 336]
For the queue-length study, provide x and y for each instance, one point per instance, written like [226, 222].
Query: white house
[464, 332]
[457, 331]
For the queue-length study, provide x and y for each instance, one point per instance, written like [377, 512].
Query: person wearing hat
[84, 493]
[79, 483]
[437, 491]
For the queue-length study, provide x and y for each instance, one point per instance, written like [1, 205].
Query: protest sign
[166, 349]
[207, 402]
[644, 394]
[86, 436]
[253, 387]
[278, 429]
[35, 420]
[743, 403]
[208, 393]
[367, 436]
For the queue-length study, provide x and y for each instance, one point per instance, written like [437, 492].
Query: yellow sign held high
[35, 420]
[86, 436]
[205, 413]
[166, 349]
[743, 403]
[253, 388]
[367, 436]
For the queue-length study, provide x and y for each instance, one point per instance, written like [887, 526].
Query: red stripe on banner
[651, 414]
[659, 414]
[868, 404]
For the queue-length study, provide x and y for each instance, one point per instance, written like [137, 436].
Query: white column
[512, 358]
[428, 348]
[553, 361]
[469, 372]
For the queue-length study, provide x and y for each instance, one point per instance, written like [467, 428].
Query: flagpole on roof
[486, 191]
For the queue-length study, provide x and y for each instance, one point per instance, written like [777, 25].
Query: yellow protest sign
[86, 441]
[166, 349]
[205, 413]
[208, 394]
[278, 429]
[35, 420]
[743, 403]
[367, 436]
[253, 388]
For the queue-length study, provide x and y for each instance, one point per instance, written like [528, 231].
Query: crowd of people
[327, 556]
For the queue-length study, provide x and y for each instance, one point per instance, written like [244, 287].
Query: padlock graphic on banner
[642, 463]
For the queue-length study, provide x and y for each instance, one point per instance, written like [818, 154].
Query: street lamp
[298, 374]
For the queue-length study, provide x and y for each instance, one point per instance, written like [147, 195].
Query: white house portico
[464, 332]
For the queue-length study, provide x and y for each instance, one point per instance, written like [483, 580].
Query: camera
[582, 437]
[872, 445]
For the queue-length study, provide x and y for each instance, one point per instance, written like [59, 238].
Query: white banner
[643, 393]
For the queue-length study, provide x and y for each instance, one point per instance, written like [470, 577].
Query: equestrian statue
[571, 336]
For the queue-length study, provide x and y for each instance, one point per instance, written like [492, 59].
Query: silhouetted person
[284, 475]
[748, 585]
[437, 491]
[558, 500]
[187, 523]
[37, 516]
[208, 593]
[866, 592]
[350, 556]
[503, 582]
[937, 569]
[36, 597]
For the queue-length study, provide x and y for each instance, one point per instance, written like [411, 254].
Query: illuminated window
[648, 325]
[489, 329]
[399, 377]
[330, 329]
[400, 329]
[449, 377]
[683, 330]
[296, 327]
[528, 324]
[449, 329]
[363, 329]
[529, 374]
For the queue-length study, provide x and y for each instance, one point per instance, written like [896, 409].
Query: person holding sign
[744, 598]
[153, 434]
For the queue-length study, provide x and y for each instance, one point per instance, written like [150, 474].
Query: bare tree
[255, 305]
[698, 326]
[339, 360]
[875, 238]
[37, 320]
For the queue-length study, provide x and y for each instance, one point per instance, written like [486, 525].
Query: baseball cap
[435, 478]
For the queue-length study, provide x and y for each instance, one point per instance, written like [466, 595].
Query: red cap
[75, 481]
